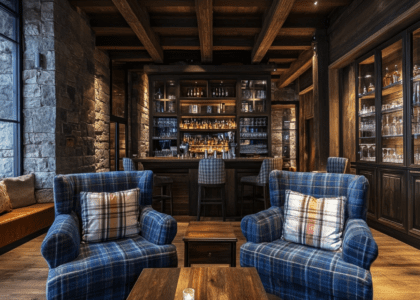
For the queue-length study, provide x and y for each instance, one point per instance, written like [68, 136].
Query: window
[10, 120]
[118, 126]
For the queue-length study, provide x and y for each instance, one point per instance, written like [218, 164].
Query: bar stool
[262, 180]
[337, 165]
[163, 182]
[211, 174]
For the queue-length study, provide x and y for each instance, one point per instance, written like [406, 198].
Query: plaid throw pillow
[109, 216]
[314, 222]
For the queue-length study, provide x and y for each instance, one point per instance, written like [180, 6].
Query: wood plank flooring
[396, 272]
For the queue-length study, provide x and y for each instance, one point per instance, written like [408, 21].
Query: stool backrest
[211, 171]
[337, 165]
[268, 165]
[129, 165]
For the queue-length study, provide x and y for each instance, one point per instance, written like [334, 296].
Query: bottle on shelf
[393, 130]
[371, 87]
[400, 127]
[396, 75]
[385, 131]
[387, 78]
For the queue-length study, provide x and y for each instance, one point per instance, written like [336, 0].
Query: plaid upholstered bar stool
[162, 182]
[267, 166]
[211, 174]
[337, 165]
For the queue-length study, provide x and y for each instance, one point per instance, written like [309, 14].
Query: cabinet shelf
[370, 114]
[208, 98]
[208, 115]
[369, 137]
[207, 130]
[392, 136]
[173, 115]
[392, 88]
[156, 138]
[393, 110]
[369, 95]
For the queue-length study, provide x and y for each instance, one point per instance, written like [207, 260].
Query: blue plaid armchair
[295, 271]
[103, 270]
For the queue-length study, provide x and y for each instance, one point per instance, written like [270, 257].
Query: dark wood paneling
[414, 204]
[393, 199]
[370, 174]
[348, 113]
[362, 20]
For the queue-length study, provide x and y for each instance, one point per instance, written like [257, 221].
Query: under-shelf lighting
[316, 3]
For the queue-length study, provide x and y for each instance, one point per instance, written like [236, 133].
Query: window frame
[17, 85]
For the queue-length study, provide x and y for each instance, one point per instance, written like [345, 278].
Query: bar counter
[184, 172]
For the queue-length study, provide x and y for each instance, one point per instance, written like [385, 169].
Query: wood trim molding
[276, 16]
[138, 19]
[397, 25]
[297, 68]
[174, 69]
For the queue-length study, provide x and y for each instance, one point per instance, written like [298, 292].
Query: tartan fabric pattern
[128, 164]
[108, 270]
[211, 171]
[267, 166]
[67, 188]
[109, 216]
[314, 222]
[359, 247]
[337, 165]
[103, 270]
[264, 226]
[294, 271]
[322, 185]
[157, 228]
[61, 245]
[315, 271]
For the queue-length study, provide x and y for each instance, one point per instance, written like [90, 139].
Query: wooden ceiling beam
[297, 68]
[204, 11]
[276, 16]
[291, 43]
[138, 56]
[138, 19]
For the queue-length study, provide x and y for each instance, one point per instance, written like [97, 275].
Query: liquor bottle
[217, 92]
[202, 93]
[396, 76]
[223, 92]
[371, 87]
[386, 127]
[387, 78]
[394, 126]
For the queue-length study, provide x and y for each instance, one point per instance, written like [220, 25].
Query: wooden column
[321, 99]
[334, 107]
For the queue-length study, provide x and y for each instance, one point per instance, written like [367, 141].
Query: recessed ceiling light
[275, 70]
[316, 2]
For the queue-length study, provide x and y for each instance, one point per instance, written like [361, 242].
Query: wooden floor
[396, 272]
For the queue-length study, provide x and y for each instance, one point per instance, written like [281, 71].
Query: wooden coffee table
[209, 283]
[210, 243]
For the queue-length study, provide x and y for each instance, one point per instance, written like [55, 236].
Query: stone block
[44, 196]
[73, 117]
[6, 93]
[6, 153]
[47, 78]
[6, 79]
[44, 180]
[7, 110]
[44, 120]
[50, 60]
[47, 28]
[29, 76]
[47, 11]
[6, 167]
[31, 28]
[48, 150]
[6, 136]
[31, 151]
[31, 90]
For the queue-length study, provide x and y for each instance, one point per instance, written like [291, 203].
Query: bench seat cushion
[23, 221]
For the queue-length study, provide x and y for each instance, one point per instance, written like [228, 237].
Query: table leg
[186, 261]
[233, 255]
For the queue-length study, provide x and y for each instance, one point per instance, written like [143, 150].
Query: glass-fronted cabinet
[415, 103]
[392, 105]
[367, 115]
[164, 95]
[253, 96]
[253, 136]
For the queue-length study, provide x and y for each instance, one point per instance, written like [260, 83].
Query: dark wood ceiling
[207, 31]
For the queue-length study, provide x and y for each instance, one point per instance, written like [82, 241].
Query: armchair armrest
[359, 247]
[62, 242]
[265, 226]
[157, 228]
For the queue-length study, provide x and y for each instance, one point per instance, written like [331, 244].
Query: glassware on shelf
[371, 87]
[416, 70]
[158, 94]
[396, 75]
[388, 78]
[386, 127]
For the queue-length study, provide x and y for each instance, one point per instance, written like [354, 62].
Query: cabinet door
[370, 174]
[393, 199]
[414, 204]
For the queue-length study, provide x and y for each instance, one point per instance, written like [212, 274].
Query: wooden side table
[210, 243]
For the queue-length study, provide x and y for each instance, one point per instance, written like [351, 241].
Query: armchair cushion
[108, 270]
[265, 226]
[62, 242]
[157, 228]
[312, 268]
[359, 247]
[109, 216]
[314, 222]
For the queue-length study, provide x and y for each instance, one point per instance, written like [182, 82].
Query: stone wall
[102, 111]
[140, 92]
[39, 101]
[66, 103]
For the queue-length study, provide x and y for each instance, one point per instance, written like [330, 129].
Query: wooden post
[334, 106]
[321, 99]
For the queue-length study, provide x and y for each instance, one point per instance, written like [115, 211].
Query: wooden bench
[21, 222]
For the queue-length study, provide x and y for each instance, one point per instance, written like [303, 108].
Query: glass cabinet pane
[367, 124]
[392, 104]
[118, 93]
[253, 136]
[253, 96]
[415, 118]
[164, 96]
